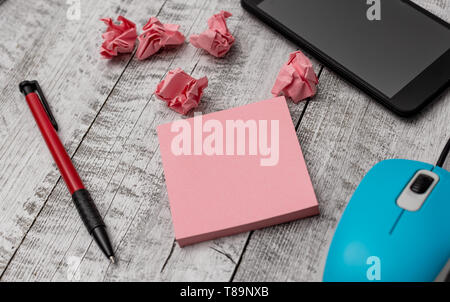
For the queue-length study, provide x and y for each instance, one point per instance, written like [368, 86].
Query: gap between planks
[75, 152]
[251, 232]
[88, 130]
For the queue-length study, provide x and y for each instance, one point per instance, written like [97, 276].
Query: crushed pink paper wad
[156, 36]
[296, 79]
[118, 38]
[180, 91]
[217, 39]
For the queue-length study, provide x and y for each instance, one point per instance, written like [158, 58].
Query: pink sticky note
[296, 79]
[234, 171]
[118, 38]
[180, 91]
[157, 35]
[217, 39]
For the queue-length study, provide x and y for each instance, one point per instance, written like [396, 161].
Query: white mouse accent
[412, 201]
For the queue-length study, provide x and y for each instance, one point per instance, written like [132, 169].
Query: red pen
[81, 197]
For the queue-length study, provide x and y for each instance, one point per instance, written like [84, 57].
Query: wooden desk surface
[108, 116]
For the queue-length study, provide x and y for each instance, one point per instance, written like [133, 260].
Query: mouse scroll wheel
[421, 184]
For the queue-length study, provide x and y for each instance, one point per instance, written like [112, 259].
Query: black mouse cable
[444, 154]
[440, 163]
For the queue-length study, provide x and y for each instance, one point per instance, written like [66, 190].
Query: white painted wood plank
[127, 183]
[15, 39]
[343, 134]
[120, 163]
[38, 42]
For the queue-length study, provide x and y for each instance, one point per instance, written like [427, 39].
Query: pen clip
[45, 105]
[35, 86]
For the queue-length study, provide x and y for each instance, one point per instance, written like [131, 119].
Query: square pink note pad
[235, 170]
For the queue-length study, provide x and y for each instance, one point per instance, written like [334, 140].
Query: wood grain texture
[119, 161]
[38, 42]
[343, 134]
[108, 117]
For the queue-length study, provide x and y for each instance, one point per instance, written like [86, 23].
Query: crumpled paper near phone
[156, 36]
[217, 39]
[296, 79]
[118, 38]
[180, 91]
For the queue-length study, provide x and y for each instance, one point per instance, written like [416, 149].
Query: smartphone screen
[386, 45]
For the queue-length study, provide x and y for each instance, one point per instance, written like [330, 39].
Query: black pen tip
[101, 237]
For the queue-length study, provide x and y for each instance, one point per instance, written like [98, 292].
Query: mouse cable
[444, 155]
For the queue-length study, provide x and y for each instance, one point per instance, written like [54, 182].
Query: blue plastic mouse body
[387, 233]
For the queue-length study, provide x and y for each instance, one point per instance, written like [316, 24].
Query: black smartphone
[394, 50]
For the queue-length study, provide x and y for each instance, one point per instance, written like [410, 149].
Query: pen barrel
[88, 211]
[62, 159]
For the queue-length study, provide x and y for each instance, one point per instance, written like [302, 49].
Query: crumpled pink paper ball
[157, 35]
[217, 39]
[296, 79]
[119, 38]
[180, 91]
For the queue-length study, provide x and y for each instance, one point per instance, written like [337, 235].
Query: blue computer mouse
[396, 227]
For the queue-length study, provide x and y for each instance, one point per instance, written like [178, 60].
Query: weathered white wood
[15, 39]
[343, 134]
[38, 42]
[119, 161]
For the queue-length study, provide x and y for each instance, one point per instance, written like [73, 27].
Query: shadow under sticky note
[234, 171]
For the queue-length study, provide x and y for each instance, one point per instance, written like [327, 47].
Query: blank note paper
[234, 171]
